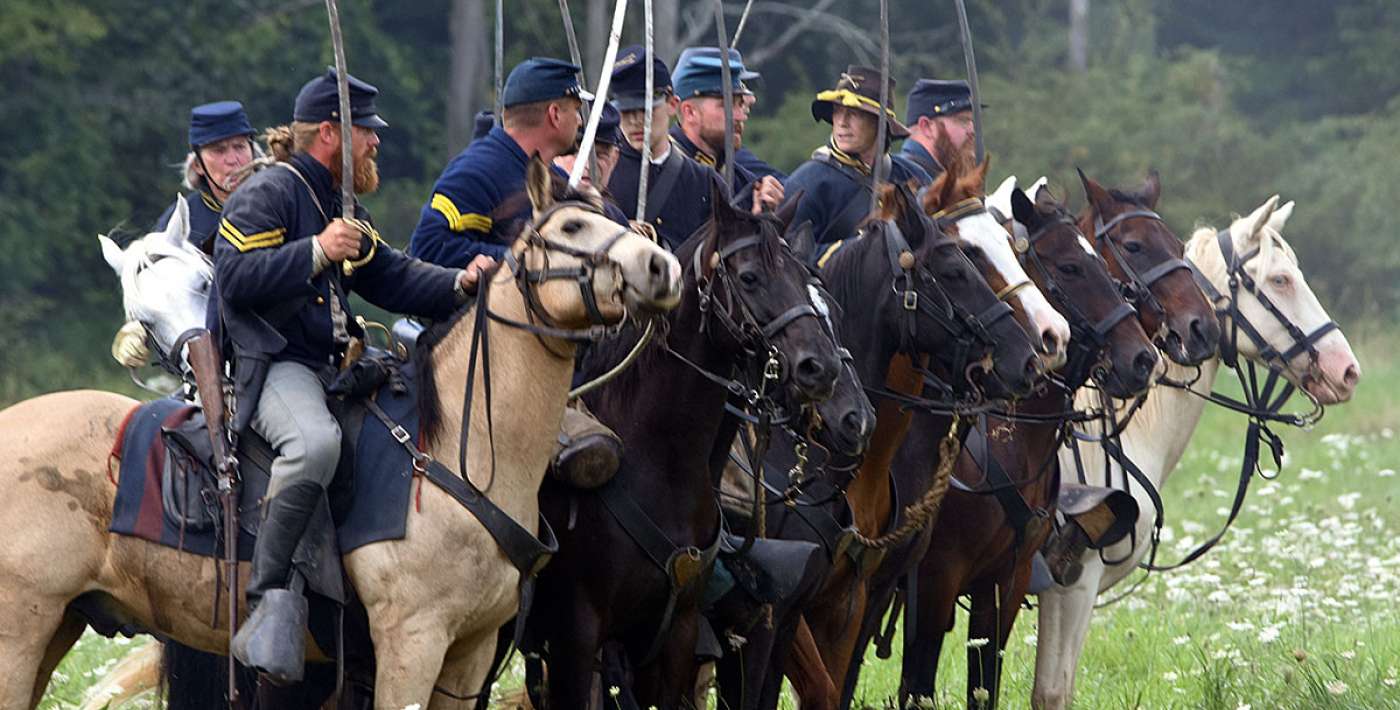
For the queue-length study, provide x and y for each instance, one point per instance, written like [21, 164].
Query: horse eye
[748, 278]
[572, 226]
[1280, 280]
[1069, 269]
[1132, 247]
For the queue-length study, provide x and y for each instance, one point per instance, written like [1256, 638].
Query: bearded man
[939, 109]
[283, 300]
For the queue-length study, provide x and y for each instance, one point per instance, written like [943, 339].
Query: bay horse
[956, 318]
[1295, 338]
[433, 616]
[997, 514]
[636, 554]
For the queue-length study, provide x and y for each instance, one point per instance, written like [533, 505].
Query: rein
[1139, 287]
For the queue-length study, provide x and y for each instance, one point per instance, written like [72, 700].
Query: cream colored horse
[435, 598]
[1157, 436]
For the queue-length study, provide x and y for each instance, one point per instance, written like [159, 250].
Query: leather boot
[589, 453]
[1063, 552]
[272, 640]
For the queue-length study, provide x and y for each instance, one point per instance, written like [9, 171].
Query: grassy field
[1295, 609]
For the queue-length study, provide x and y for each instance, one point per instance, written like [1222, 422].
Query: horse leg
[408, 659]
[669, 681]
[1064, 623]
[810, 681]
[30, 627]
[573, 650]
[464, 672]
[67, 634]
[937, 600]
[1012, 592]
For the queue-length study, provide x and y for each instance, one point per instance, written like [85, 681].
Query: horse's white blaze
[1084, 244]
[982, 231]
[1156, 437]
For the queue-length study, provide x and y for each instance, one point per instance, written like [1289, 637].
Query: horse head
[939, 304]
[165, 279]
[585, 269]
[1107, 340]
[1145, 256]
[955, 200]
[1298, 337]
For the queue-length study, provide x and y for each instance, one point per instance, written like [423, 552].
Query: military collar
[689, 147]
[633, 154]
[210, 201]
[498, 134]
[318, 178]
[916, 152]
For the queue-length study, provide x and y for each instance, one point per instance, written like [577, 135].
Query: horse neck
[869, 492]
[529, 385]
[1035, 442]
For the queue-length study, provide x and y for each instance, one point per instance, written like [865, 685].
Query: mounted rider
[221, 143]
[837, 181]
[938, 107]
[700, 130]
[284, 304]
[607, 144]
[678, 188]
[479, 205]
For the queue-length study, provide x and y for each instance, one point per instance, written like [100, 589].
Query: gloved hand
[129, 347]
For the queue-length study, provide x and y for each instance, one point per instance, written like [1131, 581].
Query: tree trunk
[471, 40]
[595, 36]
[666, 30]
[1078, 35]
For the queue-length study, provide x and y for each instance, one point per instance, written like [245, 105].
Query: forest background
[1231, 102]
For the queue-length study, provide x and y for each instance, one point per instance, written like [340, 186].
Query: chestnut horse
[433, 616]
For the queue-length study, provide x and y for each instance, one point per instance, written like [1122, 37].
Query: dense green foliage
[1230, 101]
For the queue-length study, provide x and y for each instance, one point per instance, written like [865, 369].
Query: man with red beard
[283, 300]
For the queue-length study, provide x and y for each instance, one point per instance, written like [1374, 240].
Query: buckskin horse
[433, 614]
[636, 553]
[998, 512]
[1268, 316]
[909, 295]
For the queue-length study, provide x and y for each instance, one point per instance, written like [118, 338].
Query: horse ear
[1280, 216]
[720, 210]
[112, 253]
[1022, 209]
[801, 241]
[1261, 216]
[1045, 199]
[1099, 199]
[788, 209]
[1151, 189]
[979, 174]
[177, 230]
[538, 185]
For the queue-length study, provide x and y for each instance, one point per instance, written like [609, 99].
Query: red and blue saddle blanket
[370, 498]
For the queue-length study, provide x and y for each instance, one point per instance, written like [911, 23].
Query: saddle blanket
[381, 479]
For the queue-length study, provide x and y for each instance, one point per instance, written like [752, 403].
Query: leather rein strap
[1139, 286]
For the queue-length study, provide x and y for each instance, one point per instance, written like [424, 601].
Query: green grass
[1295, 609]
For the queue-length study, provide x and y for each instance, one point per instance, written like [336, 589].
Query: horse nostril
[1351, 376]
[854, 422]
[1143, 364]
[657, 266]
[1049, 342]
[1032, 369]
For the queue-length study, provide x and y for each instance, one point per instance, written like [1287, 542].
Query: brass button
[320, 301]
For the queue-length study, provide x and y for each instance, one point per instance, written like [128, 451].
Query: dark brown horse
[997, 514]
[955, 319]
[635, 554]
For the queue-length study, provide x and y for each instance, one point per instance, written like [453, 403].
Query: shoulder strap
[857, 205]
[660, 191]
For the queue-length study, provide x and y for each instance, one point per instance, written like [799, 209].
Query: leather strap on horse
[924, 511]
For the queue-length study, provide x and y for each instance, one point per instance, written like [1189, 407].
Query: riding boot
[272, 640]
[1063, 551]
[589, 452]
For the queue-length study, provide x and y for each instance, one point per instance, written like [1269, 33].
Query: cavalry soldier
[478, 206]
[678, 188]
[837, 181]
[464, 218]
[283, 298]
[607, 142]
[699, 129]
[221, 144]
[938, 107]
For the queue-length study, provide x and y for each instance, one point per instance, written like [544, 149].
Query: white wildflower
[1348, 500]
[1170, 676]
[1181, 640]
[1386, 472]
[1268, 634]
[1337, 687]
[977, 643]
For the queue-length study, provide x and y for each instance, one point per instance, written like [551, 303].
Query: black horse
[901, 288]
[635, 555]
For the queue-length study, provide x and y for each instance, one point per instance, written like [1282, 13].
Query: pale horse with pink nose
[1157, 435]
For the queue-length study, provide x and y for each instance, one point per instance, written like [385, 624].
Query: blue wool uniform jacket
[273, 308]
[687, 207]
[835, 199]
[477, 204]
[915, 153]
[743, 177]
[205, 212]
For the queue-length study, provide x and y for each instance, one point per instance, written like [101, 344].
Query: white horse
[165, 284]
[1157, 436]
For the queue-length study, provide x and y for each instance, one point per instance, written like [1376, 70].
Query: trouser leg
[589, 452]
[293, 417]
